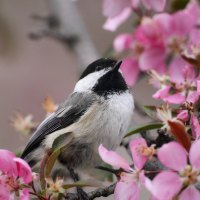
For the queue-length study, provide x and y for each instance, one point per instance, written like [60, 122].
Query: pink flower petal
[122, 42]
[177, 98]
[113, 158]
[113, 23]
[149, 185]
[112, 8]
[163, 92]
[190, 14]
[23, 170]
[193, 97]
[130, 71]
[152, 58]
[6, 162]
[188, 73]
[173, 156]
[190, 193]
[136, 146]
[183, 115]
[194, 154]
[135, 3]
[194, 37]
[126, 191]
[149, 34]
[176, 70]
[195, 126]
[198, 86]
[4, 192]
[157, 5]
[24, 194]
[165, 185]
[164, 21]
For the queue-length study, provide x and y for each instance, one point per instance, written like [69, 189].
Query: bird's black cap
[98, 65]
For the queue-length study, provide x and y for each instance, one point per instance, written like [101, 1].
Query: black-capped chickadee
[97, 112]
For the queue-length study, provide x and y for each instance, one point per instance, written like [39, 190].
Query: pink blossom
[164, 186]
[149, 32]
[180, 84]
[177, 73]
[160, 36]
[122, 42]
[113, 23]
[152, 58]
[162, 93]
[112, 8]
[176, 98]
[14, 172]
[167, 32]
[118, 11]
[113, 158]
[130, 70]
[195, 126]
[183, 115]
[193, 96]
[190, 193]
[198, 85]
[128, 187]
[181, 176]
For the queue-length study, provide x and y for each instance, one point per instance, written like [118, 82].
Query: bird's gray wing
[67, 113]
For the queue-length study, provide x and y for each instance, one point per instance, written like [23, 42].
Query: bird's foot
[82, 194]
[73, 175]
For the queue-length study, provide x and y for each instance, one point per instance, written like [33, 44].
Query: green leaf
[100, 174]
[86, 183]
[60, 140]
[150, 111]
[178, 4]
[42, 172]
[51, 156]
[58, 146]
[51, 161]
[18, 153]
[146, 127]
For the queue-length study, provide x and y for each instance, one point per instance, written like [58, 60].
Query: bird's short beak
[117, 66]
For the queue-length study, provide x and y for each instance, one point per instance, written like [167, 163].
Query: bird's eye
[98, 68]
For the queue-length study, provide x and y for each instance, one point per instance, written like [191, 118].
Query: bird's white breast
[105, 122]
[116, 119]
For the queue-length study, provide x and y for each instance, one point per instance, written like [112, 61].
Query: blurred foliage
[178, 4]
[146, 127]
[7, 37]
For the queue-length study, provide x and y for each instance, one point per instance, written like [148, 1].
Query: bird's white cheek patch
[88, 82]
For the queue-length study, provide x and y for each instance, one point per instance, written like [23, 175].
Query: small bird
[97, 112]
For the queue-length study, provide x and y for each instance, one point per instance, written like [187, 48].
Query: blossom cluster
[179, 178]
[158, 41]
[15, 174]
[164, 44]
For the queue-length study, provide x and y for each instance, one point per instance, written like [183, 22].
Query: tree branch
[71, 24]
[153, 166]
[100, 192]
[66, 25]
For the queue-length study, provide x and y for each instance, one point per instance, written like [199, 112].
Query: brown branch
[153, 166]
[100, 192]
[64, 24]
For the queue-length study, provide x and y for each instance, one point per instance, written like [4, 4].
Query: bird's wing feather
[68, 112]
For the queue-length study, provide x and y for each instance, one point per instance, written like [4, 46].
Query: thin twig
[154, 165]
[100, 192]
